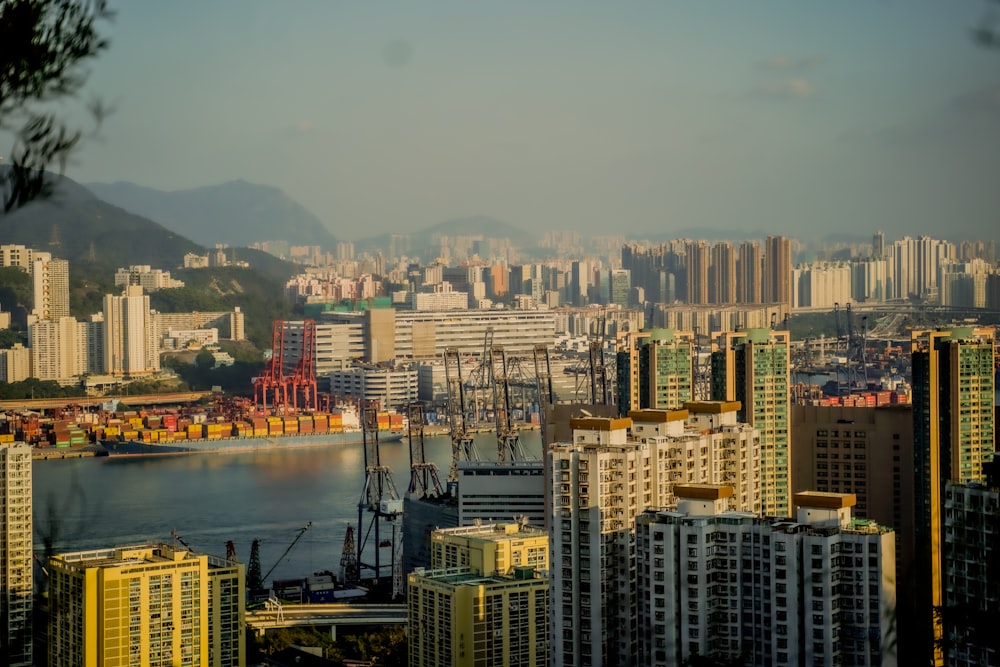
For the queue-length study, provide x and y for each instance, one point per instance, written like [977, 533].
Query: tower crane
[462, 444]
[349, 559]
[380, 498]
[255, 580]
[423, 473]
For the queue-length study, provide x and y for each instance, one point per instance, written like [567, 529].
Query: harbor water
[208, 499]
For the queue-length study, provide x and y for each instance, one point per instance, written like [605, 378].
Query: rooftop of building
[493, 531]
[147, 553]
[464, 576]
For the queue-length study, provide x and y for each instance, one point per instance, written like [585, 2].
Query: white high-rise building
[15, 363]
[818, 590]
[821, 284]
[50, 280]
[15, 554]
[609, 473]
[600, 484]
[131, 338]
[55, 349]
[703, 443]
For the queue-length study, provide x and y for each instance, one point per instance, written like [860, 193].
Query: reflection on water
[209, 499]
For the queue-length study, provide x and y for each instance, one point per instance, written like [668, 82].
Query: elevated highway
[88, 401]
[331, 615]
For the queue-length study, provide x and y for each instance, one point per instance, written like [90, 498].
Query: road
[86, 401]
[334, 614]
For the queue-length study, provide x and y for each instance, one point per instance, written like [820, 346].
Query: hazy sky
[787, 117]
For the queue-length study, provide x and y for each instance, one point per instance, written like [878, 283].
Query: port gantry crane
[508, 440]
[462, 444]
[380, 498]
[303, 379]
[424, 479]
[272, 381]
[599, 394]
[851, 344]
[543, 380]
[480, 382]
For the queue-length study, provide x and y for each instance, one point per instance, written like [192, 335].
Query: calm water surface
[97, 503]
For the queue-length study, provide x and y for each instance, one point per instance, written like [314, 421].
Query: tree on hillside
[45, 46]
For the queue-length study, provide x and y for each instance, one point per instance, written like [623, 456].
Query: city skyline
[649, 119]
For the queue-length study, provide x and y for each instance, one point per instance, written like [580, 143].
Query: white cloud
[787, 63]
[790, 89]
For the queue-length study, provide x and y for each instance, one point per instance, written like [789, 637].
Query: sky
[642, 117]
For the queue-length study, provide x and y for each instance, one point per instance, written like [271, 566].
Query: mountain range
[73, 224]
[237, 213]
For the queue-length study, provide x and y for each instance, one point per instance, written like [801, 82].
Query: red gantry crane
[271, 383]
[303, 380]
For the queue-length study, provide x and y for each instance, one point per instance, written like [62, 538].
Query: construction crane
[380, 498]
[349, 559]
[423, 473]
[255, 580]
[463, 446]
[508, 440]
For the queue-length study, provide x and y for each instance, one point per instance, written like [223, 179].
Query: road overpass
[331, 615]
[95, 401]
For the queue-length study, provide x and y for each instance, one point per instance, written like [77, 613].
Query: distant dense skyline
[644, 117]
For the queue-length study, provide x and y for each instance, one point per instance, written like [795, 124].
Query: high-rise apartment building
[50, 280]
[972, 568]
[600, 482]
[57, 348]
[620, 281]
[15, 363]
[485, 602]
[701, 444]
[579, 282]
[752, 367]
[153, 605]
[726, 585]
[15, 554]
[655, 370]
[750, 272]
[865, 451]
[778, 270]
[131, 338]
[601, 478]
[953, 433]
[722, 274]
[697, 254]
